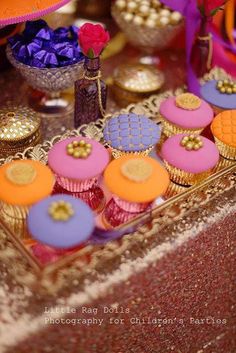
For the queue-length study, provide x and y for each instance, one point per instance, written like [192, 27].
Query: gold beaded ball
[226, 86]
[192, 142]
[79, 149]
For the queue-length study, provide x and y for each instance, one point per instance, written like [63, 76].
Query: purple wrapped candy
[40, 46]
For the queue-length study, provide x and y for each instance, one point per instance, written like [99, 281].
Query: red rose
[209, 7]
[93, 39]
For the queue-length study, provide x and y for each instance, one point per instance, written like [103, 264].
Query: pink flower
[93, 39]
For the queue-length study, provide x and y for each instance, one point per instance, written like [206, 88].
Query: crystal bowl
[145, 38]
[50, 82]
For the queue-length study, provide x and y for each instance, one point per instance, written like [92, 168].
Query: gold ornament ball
[128, 17]
[138, 20]
[132, 6]
[189, 146]
[121, 4]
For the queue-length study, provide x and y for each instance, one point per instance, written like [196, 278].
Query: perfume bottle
[90, 94]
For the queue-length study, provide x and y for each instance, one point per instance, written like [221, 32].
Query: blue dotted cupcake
[131, 134]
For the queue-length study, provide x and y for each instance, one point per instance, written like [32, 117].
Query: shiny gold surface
[188, 101]
[17, 123]
[138, 78]
[19, 129]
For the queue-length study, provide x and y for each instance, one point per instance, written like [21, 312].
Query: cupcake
[61, 221]
[135, 182]
[131, 134]
[78, 163]
[223, 129]
[221, 95]
[189, 158]
[23, 183]
[185, 113]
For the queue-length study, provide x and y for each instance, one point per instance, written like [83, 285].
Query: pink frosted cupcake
[78, 163]
[189, 158]
[185, 113]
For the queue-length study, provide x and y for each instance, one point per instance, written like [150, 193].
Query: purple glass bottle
[201, 50]
[87, 98]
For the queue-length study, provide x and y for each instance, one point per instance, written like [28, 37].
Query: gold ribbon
[98, 79]
[208, 38]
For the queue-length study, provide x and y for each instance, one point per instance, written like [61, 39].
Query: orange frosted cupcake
[23, 183]
[223, 129]
[135, 182]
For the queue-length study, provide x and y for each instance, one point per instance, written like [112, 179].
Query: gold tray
[94, 259]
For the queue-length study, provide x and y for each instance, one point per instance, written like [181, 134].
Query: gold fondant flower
[61, 210]
[79, 149]
[137, 170]
[192, 142]
[188, 101]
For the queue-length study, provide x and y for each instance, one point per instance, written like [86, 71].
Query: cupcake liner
[174, 189]
[228, 152]
[17, 212]
[117, 153]
[73, 185]
[94, 197]
[170, 129]
[223, 163]
[131, 207]
[184, 178]
[15, 217]
[114, 215]
[158, 147]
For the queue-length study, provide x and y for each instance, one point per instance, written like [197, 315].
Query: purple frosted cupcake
[221, 95]
[131, 134]
[61, 221]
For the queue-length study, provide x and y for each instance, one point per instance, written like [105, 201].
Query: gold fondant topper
[188, 101]
[137, 170]
[61, 210]
[79, 149]
[192, 142]
[226, 86]
[21, 173]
